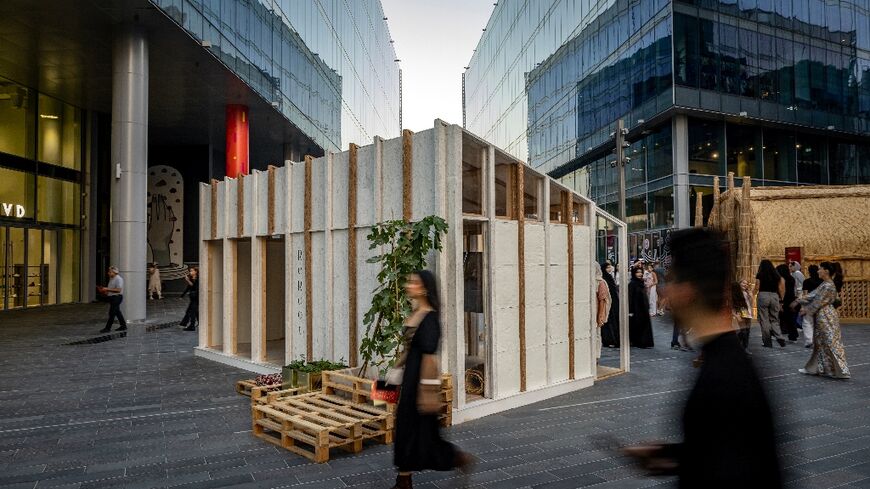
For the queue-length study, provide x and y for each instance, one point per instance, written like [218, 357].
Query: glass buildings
[314, 76]
[775, 90]
[328, 66]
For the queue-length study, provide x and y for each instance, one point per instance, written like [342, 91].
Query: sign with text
[11, 210]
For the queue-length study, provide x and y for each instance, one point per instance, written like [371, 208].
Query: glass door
[2, 268]
[16, 292]
[34, 272]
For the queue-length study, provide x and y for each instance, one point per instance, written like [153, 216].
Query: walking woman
[786, 314]
[610, 330]
[829, 357]
[191, 315]
[639, 324]
[771, 288]
[418, 443]
[650, 281]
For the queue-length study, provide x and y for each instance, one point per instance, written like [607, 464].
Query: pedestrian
[659, 271]
[808, 321]
[787, 323]
[154, 284]
[418, 443]
[603, 303]
[639, 324]
[771, 288]
[114, 292]
[741, 308]
[829, 356]
[610, 330]
[191, 315]
[795, 268]
[650, 280]
[728, 431]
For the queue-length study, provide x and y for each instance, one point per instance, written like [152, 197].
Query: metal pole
[620, 166]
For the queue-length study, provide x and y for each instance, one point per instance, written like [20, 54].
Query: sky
[434, 40]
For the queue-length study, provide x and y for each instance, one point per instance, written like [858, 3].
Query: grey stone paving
[142, 411]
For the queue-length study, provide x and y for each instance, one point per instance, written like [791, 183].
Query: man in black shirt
[727, 425]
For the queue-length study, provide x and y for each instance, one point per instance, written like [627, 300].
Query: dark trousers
[115, 311]
[675, 338]
[191, 315]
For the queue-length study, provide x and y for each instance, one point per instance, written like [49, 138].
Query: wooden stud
[214, 213]
[521, 269]
[271, 199]
[309, 320]
[240, 208]
[407, 165]
[260, 295]
[568, 206]
[351, 254]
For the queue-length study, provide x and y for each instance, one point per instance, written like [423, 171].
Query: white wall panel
[297, 281]
[339, 303]
[424, 176]
[340, 191]
[281, 198]
[320, 283]
[368, 187]
[231, 208]
[297, 196]
[260, 211]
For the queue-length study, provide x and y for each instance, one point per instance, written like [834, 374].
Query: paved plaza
[142, 411]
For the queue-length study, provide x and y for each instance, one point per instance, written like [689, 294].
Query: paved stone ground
[142, 411]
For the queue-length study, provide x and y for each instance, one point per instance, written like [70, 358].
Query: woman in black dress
[418, 443]
[787, 314]
[639, 326]
[191, 315]
[610, 330]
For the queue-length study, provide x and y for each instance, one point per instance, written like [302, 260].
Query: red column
[237, 140]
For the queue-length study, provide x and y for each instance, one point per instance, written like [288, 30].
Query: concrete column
[681, 170]
[129, 165]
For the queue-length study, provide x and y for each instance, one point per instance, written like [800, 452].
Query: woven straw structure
[829, 223]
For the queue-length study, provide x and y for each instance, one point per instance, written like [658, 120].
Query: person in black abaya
[787, 314]
[610, 329]
[639, 326]
[418, 443]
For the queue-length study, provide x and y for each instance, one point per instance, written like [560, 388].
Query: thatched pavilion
[829, 223]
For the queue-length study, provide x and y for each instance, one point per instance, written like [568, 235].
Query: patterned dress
[829, 357]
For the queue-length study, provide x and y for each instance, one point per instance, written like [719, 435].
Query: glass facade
[40, 198]
[328, 66]
[777, 91]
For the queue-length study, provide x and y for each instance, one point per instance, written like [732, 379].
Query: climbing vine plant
[406, 245]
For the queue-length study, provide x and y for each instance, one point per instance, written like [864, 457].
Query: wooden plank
[214, 214]
[271, 200]
[309, 318]
[352, 324]
[407, 169]
[521, 269]
[568, 204]
[240, 206]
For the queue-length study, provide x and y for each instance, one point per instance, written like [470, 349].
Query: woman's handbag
[429, 390]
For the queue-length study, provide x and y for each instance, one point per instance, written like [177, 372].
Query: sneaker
[189, 328]
[121, 328]
[781, 342]
[675, 347]
[808, 346]
[805, 372]
[105, 330]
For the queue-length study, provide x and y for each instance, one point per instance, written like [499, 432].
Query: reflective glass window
[16, 189]
[660, 161]
[59, 201]
[779, 155]
[810, 159]
[661, 214]
[843, 161]
[60, 133]
[17, 105]
[744, 150]
[636, 212]
[706, 147]
[68, 254]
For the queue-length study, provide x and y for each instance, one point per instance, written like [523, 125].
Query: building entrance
[38, 267]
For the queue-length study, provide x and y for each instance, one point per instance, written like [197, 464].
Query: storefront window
[16, 119]
[33, 273]
[16, 189]
[60, 133]
[58, 201]
[68, 250]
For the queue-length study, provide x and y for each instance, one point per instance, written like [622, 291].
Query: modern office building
[112, 112]
[775, 90]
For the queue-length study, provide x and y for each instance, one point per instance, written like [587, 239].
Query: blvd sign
[11, 210]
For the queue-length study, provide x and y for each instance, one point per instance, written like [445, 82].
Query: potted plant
[405, 247]
[306, 374]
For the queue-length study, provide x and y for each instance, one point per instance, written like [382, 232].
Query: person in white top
[114, 293]
[795, 269]
[155, 286]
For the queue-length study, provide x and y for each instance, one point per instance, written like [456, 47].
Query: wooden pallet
[312, 424]
[249, 387]
[269, 394]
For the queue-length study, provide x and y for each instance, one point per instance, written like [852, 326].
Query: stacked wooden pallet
[340, 415]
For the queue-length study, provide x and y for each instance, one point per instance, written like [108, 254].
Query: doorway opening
[215, 291]
[274, 307]
[243, 298]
